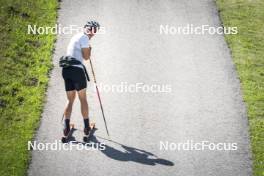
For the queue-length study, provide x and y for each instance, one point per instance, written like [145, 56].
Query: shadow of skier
[130, 154]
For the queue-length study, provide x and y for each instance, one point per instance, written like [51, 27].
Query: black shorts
[74, 78]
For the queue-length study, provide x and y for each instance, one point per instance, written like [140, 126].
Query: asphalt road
[204, 104]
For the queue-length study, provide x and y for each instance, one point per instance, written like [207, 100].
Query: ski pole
[98, 95]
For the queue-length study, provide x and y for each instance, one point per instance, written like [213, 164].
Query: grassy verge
[248, 53]
[25, 61]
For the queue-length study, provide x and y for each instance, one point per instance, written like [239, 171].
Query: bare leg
[84, 103]
[71, 98]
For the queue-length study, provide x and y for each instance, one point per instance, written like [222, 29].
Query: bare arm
[86, 53]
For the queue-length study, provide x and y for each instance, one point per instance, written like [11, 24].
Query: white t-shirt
[75, 46]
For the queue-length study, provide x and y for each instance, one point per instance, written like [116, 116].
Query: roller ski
[88, 132]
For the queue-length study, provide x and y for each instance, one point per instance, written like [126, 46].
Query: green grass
[25, 61]
[247, 49]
